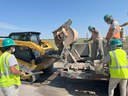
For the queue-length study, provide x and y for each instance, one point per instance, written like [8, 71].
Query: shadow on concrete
[73, 87]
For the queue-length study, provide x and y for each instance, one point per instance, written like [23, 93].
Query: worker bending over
[97, 49]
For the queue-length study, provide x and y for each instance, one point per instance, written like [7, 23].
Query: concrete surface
[53, 85]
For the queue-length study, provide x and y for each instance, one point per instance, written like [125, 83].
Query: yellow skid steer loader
[34, 55]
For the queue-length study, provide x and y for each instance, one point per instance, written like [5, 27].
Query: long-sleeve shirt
[106, 59]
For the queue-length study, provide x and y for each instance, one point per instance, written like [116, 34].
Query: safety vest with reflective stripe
[6, 77]
[117, 34]
[119, 64]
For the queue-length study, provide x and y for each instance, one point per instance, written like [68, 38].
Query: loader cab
[26, 36]
[25, 53]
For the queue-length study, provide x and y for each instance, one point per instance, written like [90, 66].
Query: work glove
[99, 67]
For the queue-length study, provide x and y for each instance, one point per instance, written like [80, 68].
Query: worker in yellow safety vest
[9, 69]
[118, 67]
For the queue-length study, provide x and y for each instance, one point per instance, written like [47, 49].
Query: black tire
[33, 78]
[48, 69]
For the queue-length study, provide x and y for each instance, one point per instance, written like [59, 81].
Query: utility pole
[86, 35]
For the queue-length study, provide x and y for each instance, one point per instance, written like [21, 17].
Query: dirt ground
[52, 84]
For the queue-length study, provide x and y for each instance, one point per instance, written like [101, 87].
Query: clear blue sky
[47, 15]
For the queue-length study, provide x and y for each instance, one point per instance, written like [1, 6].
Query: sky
[45, 16]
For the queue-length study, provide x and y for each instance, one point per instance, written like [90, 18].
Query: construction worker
[97, 49]
[9, 69]
[118, 67]
[114, 29]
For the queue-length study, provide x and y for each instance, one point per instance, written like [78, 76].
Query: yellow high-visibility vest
[119, 64]
[6, 77]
